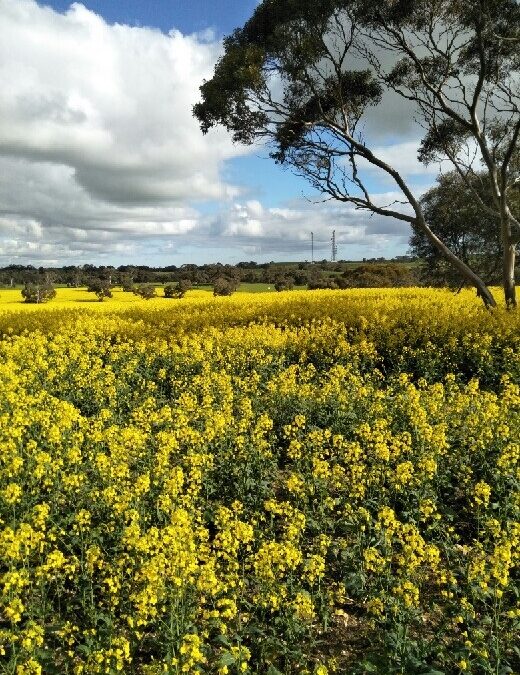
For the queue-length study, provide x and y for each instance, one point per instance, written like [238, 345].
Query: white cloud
[101, 158]
[61, 224]
[287, 230]
[112, 102]
[42, 204]
[402, 156]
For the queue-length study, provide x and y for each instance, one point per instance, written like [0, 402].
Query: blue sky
[188, 16]
[104, 163]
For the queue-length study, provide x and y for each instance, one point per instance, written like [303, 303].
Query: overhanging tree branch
[328, 76]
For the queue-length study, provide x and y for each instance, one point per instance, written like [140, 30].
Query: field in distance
[67, 297]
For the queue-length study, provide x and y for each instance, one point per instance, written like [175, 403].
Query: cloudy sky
[102, 162]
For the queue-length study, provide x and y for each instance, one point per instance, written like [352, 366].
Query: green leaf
[223, 640]
[227, 659]
[273, 671]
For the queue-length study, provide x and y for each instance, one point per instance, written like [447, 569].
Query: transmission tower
[334, 246]
[312, 247]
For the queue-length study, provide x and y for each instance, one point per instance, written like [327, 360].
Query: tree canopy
[459, 220]
[303, 75]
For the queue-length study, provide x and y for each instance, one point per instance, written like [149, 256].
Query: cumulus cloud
[101, 159]
[97, 141]
[45, 215]
[287, 230]
[48, 218]
[112, 102]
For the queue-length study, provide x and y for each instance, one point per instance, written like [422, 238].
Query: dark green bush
[38, 293]
[379, 275]
[101, 288]
[177, 290]
[284, 284]
[145, 291]
[223, 286]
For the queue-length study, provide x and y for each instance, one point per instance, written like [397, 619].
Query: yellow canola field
[304, 482]
[67, 298]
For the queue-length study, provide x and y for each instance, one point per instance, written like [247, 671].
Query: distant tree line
[473, 238]
[139, 278]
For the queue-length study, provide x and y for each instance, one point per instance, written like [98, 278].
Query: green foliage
[357, 87]
[472, 233]
[223, 286]
[145, 291]
[318, 284]
[38, 293]
[284, 284]
[374, 275]
[290, 38]
[127, 283]
[177, 290]
[101, 288]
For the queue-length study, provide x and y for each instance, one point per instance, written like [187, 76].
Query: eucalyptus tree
[303, 75]
[470, 231]
[458, 63]
[100, 287]
[37, 293]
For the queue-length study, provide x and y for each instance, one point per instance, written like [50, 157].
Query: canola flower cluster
[307, 483]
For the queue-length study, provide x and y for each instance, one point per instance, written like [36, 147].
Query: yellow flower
[482, 493]
[12, 493]
[29, 667]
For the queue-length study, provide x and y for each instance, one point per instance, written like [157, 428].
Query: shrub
[177, 290]
[38, 293]
[321, 284]
[127, 284]
[101, 288]
[380, 276]
[145, 291]
[223, 286]
[284, 284]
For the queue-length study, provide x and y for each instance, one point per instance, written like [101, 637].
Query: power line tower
[334, 246]
[312, 247]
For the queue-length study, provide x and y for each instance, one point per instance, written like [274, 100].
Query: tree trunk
[468, 274]
[509, 256]
[509, 275]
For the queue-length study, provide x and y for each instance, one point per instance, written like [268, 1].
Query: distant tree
[72, 276]
[38, 293]
[284, 284]
[108, 274]
[379, 275]
[300, 278]
[199, 277]
[145, 291]
[470, 231]
[223, 286]
[322, 284]
[127, 282]
[250, 277]
[100, 287]
[177, 290]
